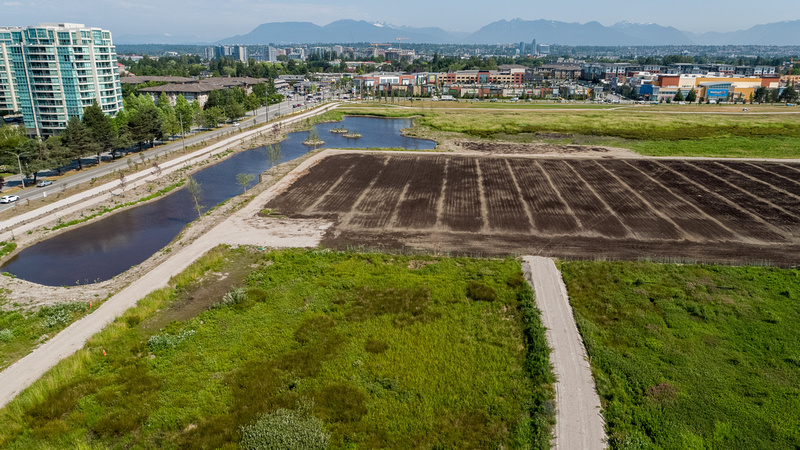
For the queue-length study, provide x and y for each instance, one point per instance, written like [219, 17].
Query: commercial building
[51, 72]
[236, 52]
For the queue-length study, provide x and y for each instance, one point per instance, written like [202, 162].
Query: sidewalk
[48, 213]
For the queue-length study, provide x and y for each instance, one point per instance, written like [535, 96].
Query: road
[579, 424]
[94, 171]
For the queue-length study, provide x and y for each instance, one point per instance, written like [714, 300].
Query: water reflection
[112, 245]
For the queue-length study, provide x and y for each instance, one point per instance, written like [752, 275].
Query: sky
[211, 20]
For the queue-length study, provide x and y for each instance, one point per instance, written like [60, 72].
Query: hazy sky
[216, 19]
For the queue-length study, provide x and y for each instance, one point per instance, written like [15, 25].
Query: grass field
[22, 330]
[692, 356]
[352, 350]
[704, 131]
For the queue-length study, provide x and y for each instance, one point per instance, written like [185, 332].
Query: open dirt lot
[710, 211]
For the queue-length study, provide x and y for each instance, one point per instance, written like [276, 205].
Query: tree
[195, 191]
[184, 112]
[35, 158]
[77, 138]
[789, 95]
[273, 155]
[691, 97]
[198, 118]
[212, 116]
[11, 137]
[678, 97]
[59, 155]
[245, 179]
[251, 102]
[100, 129]
[170, 126]
[760, 95]
[145, 122]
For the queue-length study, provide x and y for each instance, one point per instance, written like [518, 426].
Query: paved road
[91, 170]
[579, 424]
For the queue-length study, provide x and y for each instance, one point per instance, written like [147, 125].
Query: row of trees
[141, 122]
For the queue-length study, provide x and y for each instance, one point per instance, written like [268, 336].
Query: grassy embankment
[359, 350]
[647, 133]
[692, 356]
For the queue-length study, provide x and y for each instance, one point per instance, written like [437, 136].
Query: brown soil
[204, 293]
[514, 148]
[587, 207]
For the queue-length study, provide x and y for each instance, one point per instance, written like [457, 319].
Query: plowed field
[711, 211]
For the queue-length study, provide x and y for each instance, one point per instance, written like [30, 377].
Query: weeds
[691, 355]
[392, 357]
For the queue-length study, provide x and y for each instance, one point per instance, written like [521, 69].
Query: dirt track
[579, 424]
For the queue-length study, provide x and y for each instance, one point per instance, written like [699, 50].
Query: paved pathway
[238, 229]
[579, 424]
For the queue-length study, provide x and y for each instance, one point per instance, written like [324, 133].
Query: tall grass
[692, 356]
[663, 134]
[391, 351]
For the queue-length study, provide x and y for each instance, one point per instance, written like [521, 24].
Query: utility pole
[21, 176]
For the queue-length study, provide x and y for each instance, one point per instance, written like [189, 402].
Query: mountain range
[502, 31]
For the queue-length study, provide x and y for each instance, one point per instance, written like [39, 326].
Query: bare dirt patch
[566, 207]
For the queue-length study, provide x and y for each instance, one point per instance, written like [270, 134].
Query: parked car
[236, 124]
[43, 183]
[9, 198]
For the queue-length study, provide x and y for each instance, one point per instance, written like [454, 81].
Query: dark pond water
[110, 246]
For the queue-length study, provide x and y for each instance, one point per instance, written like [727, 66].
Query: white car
[9, 198]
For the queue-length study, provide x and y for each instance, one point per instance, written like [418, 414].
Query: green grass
[384, 351]
[22, 330]
[662, 134]
[688, 356]
[7, 247]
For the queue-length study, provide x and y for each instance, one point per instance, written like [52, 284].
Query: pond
[103, 249]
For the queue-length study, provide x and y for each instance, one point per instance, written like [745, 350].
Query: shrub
[6, 335]
[166, 340]
[60, 314]
[481, 292]
[284, 429]
[374, 346]
[232, 297]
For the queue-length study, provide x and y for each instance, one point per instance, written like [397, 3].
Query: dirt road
[579, 424]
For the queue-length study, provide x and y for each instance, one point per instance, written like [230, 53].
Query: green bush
[285, 429]
[60, 314]
[6, 335]
[165, 340]
[233, 297]
[481, 292]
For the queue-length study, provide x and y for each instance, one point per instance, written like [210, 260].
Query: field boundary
[579, 423]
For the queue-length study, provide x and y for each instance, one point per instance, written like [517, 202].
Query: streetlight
[183, 133]
[21, 176]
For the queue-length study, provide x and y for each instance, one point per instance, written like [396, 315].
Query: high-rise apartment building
[51, 72]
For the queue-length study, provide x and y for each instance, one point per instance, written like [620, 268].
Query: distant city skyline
[212, 20]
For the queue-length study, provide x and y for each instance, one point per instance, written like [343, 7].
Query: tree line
[140, 123]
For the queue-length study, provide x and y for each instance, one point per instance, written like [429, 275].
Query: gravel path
[579, 424]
